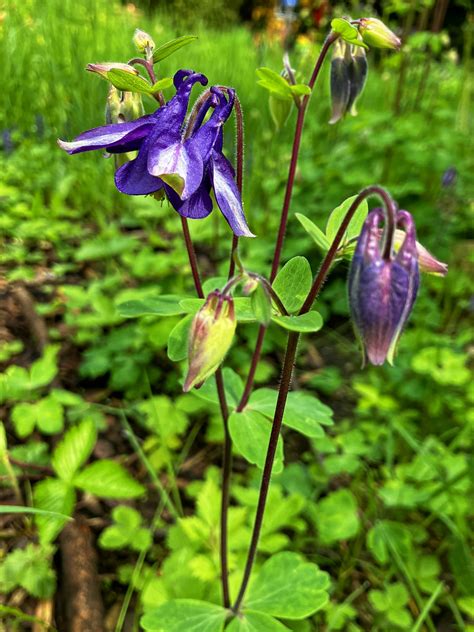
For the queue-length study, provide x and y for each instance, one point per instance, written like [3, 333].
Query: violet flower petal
[119, 136]
[227, 195]
[197, 206]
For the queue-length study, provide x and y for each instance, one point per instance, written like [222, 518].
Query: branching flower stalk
[288, 363]
[302, 109]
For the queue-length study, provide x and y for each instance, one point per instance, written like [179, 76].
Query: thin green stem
[146, 463]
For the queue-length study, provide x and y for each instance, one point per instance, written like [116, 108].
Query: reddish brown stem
[287, 371]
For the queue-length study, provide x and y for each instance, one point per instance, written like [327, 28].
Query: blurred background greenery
[381, 501]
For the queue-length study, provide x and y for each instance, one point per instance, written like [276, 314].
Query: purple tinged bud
[358, 71]
[103, 68]
[211, 335]
[382, 291]
[449, 177]
[377, 35]
[340, 82]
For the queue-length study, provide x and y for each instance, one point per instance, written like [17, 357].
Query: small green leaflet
[279, 87]
[250, 432]
[305, 323]
[123, 80]
[167, 49]
[347, 31]
[289, 587]
[293, 283]
[185, 615]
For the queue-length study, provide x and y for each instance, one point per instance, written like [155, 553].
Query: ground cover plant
[365, 523]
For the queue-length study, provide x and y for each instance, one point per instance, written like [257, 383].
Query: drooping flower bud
[358, 71]
[143, 42]
[103, 68]
[211, 335]
[377, 35]
[382, 290]
[340, 81]
[348, 75]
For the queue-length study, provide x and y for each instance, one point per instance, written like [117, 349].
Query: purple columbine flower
[382, 290]
[185, 167]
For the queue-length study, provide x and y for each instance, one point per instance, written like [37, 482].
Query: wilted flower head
[377, 35]
[211, 335]
[186, 167]
[382, 290]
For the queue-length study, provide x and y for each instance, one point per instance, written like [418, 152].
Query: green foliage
[126, 531]
[293, 283]
[392, 605]
[167, 49]
[28, 568]
[288, 587]
[381, 494]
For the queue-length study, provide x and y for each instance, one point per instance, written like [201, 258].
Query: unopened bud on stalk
[143, 42]
[123, 106]
[377, 35]
[211, 335]
[348, 75]
[250, 285]
[426, 261]
[358, 71]
[103, 68]
[340, 81]
[383, 286]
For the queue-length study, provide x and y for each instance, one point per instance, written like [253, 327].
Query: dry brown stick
[35, 323]
[80, 586]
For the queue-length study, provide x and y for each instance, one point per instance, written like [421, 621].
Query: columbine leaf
[303, 412]
[108, 479]
[165, 50]
[162, 84]
[178, 339]
[337, 517]
[123, 80]
[293, 283]
[255, 622]
[337, 216]
[347, 31]
[74, 450]
[166, 305]
[261, 305]
[274, 83]
[300, 89]
[313, 231]
[233, 388]
[250, 432]
[185, 615]
[305, 323]
[242, 306]
[289, 587]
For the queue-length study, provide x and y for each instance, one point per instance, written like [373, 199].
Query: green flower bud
[113, 105]
[123, 106]
[376, 34]
[211, 335]
[143, 42]
[132, 106]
